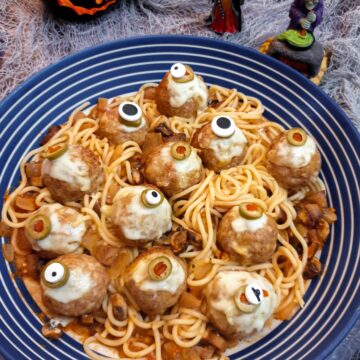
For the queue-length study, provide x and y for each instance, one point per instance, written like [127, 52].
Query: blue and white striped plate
[122, 67]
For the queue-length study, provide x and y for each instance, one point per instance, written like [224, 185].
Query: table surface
[30, 39]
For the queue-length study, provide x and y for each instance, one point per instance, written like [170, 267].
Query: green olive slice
[242, 303]
[55, 274]
[180, 150]
[55, 151]
[38, 227]
[296, 137]
[250, 211]
[160, 268]
[136, 123]
[189, 75]
[152, 198]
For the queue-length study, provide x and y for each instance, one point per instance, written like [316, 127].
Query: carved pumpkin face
[82, 7]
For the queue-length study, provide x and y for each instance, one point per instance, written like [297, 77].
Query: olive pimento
[160, 268]
[180, 150]
[38, 227]
[296, 137]
[55, 151]
[250, 211]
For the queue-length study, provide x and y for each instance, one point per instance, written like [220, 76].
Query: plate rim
[332, 107]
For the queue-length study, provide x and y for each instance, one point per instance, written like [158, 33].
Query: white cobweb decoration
[31, 39]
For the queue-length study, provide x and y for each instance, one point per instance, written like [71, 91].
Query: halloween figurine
[79, 9]
[297, 46]
[306, 14]
[226, 16]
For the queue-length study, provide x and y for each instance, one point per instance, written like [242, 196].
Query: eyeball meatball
[55, 230]
[173, 167]
[293, 159]
[73, 284]
[155, 280]
[140, 214]
[123, 123]
[238, 303]
[71, 171]
[248, 234]
[221, 143]
[181, 93]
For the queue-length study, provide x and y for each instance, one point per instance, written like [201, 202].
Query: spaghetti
[198, 208]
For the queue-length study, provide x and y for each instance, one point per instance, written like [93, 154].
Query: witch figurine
[306, 14]
[297, 46]
[226, 16]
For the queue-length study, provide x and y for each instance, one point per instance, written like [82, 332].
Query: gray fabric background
[31, 39]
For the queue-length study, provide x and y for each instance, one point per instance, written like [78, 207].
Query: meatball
[155, 280]
[73, 174]
[123, 123]
[55, 230]
[140, 214]
[239, 303]
[293, 163]
[173, 167]
[248, 240]
[73, 284]
[221, 143]
[181, 93]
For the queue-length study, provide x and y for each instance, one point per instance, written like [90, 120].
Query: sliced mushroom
[329, 215]
[119, 305]
[50, 134]
[318, 198]
[8, 252]
[33, 169]
[150, 93]
[215, 340]
[164, 130]
[312, 269]
[87, 319]
[51, 332]
[175, 138]
[137, 177]
[5, 230]
[178, 241]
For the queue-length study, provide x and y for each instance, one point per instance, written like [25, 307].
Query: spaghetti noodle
[198, 208]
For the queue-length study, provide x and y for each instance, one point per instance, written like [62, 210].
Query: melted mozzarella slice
[170, 284]
[69, 168]
[295, 156]
[67, 230]
[180, 93]
[137, 221]
[241, 224]
[227, 148]
[226, 284]
[130, 129]
[78, 284]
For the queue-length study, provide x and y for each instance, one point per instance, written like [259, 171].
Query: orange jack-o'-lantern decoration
[80, 8]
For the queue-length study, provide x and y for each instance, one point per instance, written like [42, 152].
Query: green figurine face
[310, 4]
